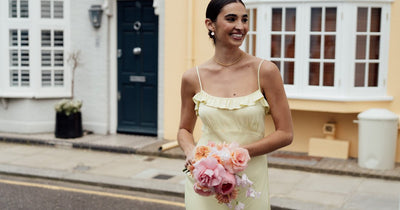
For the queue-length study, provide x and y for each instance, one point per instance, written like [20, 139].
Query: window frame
[34, 24]
[343, 89]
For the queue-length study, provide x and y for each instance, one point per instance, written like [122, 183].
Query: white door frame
[110, 7]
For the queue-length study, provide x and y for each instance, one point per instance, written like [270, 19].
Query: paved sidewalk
[134, 162]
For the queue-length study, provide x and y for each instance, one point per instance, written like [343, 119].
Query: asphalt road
[29, 193]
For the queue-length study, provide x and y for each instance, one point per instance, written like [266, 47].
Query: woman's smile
[237, 36]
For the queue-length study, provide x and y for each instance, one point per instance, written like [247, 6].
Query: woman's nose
[239, 25]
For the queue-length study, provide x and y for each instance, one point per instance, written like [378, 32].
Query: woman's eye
[230, 19]
[245, 20]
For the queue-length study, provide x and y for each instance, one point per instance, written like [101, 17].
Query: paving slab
[382, 187]
[322, 198]
[329, 183]
[372, 201]
[134, 162]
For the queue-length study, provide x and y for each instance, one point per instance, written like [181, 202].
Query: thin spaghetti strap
[258, 74]
[198, 76]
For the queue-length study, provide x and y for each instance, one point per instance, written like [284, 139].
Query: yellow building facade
[187, 44]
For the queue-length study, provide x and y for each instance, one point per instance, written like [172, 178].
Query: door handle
[137, 51]
[119, 53]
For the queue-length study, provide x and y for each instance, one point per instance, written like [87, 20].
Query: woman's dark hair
[214, 8]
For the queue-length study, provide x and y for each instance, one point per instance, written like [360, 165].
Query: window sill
[338, 104]
[340, 98]
[34, 96]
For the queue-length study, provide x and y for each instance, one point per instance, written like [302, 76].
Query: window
[367, 47]
[18, 8]
[34, 62]
[250, 42]
[283, 41]
[52, 9]
[325, 50]
[52, 58]
[19, 58]
[322, 46]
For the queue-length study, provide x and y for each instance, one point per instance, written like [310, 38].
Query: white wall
[91, 82]
[91, 78]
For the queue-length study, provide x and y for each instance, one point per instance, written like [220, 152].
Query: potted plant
[68, 111]
[68, 119]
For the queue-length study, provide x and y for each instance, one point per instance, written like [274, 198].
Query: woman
[231, 93]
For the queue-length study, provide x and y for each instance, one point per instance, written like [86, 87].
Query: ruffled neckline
[231, 103]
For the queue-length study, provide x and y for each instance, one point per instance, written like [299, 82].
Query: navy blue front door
[137, 67]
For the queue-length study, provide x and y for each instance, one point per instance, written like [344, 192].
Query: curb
[96, 181]
[149, 151]
[88, 179]
[333, 171]
[95, 147]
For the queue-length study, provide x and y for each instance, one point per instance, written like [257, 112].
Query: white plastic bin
[377, 137]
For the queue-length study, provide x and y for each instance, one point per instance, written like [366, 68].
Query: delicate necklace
[229, 64]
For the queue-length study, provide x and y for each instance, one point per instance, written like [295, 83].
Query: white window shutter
[58, 10]
[13, 9]
[45, 6]
[24, 8]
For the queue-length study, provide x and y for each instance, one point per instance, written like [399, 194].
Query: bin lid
[378, 114]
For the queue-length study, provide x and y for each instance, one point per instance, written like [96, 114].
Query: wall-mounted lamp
[95, 13]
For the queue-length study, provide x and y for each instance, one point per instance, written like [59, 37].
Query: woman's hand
[189, 157]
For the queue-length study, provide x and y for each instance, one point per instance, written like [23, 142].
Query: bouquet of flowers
[215, 169]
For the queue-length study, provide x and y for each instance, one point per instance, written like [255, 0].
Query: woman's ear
[210, 24]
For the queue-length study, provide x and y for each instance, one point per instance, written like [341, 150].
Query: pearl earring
[212, 33]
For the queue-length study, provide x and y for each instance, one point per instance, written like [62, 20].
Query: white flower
[243, 181]
[239, 206]
[68, 107]
[252, 193]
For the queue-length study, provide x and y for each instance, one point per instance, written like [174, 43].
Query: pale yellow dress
[239, 119]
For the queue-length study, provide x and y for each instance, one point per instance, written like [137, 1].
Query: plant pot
[68, 126]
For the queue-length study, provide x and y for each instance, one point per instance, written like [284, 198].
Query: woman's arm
[272, 86]
[188, 115]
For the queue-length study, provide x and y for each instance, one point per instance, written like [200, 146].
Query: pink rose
[227, 184]
[240, 158]
[204, 191]
[208, 172]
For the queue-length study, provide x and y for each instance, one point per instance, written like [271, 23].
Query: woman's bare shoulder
[253, 62]
[189, 74]
[190, 81]
[268, 69]
[270, 76]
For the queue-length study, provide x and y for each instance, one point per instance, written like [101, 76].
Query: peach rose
[240, 158]
[201, 152]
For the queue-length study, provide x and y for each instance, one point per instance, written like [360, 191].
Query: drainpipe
[189, 44]
[107, 8]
